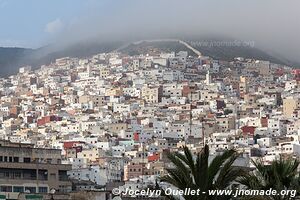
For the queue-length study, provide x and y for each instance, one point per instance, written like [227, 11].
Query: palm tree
[188, 172]
[281, 174]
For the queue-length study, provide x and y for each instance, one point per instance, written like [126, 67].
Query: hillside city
[109, 120]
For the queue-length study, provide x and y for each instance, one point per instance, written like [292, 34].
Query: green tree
[197, 173]
[281, 174]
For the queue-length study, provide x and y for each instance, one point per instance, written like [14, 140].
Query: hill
[220, 52]
[11, 59]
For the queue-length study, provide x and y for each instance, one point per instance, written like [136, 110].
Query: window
[5, 188]
[17, 175]
[42, 174]
[6, 174]
[16, 159]
[30, 189]
[26, 160]
[18, 189]
[43, 190]
[63, 175]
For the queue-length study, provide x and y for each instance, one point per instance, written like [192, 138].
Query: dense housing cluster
[107, 121]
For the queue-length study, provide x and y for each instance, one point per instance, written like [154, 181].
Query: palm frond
[214, 166]
[201, 173]
[227, 173]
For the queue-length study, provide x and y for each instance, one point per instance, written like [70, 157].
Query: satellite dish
[52, 191]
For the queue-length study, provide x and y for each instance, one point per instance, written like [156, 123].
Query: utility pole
[37, 174]
[143, 162]
[191, 115]
[203, 135]
[237, 118]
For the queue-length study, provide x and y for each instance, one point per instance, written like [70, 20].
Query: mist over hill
[11, 59]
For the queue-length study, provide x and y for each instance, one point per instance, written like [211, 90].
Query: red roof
[69, 145]
[248, 129]
[153, 157]
[136, 137]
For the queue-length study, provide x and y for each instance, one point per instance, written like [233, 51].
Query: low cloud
[273, 25]
[54, 26]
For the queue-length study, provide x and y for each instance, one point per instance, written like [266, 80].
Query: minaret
[89, 70]
[208, 78]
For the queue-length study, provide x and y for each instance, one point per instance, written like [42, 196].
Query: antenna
[143, 163]
[191, 115]
[203, 135]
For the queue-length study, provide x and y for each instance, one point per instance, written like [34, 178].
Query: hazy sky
[274, 25]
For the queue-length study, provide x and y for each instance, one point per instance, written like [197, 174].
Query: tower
[88, 69]
[208, 78]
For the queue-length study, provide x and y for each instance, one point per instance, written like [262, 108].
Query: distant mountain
[145, 47]
[229, 52]
[11, 59]
[220, 52]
